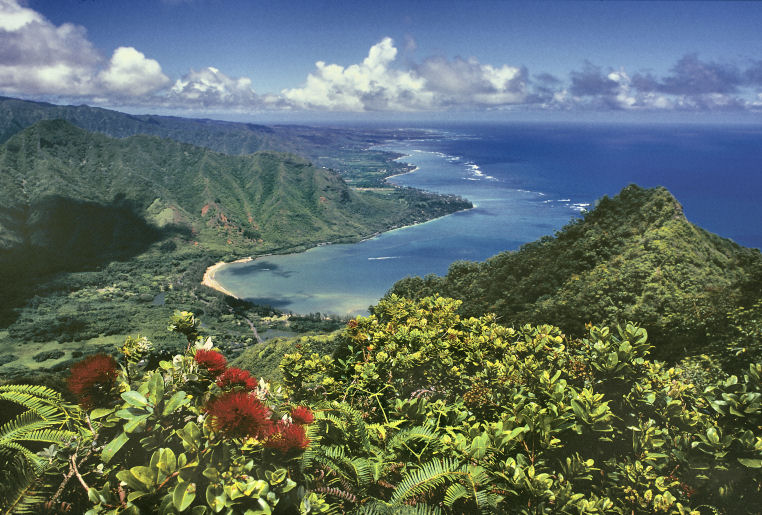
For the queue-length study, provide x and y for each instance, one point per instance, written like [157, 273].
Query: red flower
[238, 414]
[92, 380]
[236, 378]
[289, 439]
[302, 415]
[212, 360]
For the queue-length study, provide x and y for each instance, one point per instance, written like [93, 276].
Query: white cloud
[468, 82]
[40, 58]
[624, 97]
[210, 87]
[370, 85]
[13, 16]
[36, 57]
[130, 73]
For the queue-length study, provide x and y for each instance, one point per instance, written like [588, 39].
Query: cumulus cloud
[753, 74]
[37, 57]
[467, 81]
[209, 87]
[370, 85]
[591, 81]
[130, 73]
[40, 58]
[376, 84]
[691, 76]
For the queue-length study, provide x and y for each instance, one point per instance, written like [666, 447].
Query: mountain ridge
[263, 200]
[632, 257]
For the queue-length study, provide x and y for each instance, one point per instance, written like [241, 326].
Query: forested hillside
[346, 150]
[632, 257]
[53, 172]
[101, 236]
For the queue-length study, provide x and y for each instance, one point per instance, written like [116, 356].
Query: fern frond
[381, 508]
[423, 433]
[23, 495]
[20, 426]
[56, 436]
[454, 493]
[44, 420]
[337, 492]
[486, 501]
[430, 476]
[46, 402]
[35, 390]
[32, 460]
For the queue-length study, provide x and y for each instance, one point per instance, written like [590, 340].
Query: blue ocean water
[526, 181]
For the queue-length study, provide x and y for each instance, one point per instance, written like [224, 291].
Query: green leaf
[132, 481]
[177, 400]
[144, 474]
[135, 423]
[183, 495]
[100, 412]
[479, 446]
[191, 435]
[580, 410]
[751, 463]
[275, 477]
[135, 398]
[156, 387]
[130, 413]
[136, 495]
[215, 501]
[167, 461]
[211, 473]
[113, 447]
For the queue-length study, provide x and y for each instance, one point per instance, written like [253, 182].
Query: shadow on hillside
[58, 234]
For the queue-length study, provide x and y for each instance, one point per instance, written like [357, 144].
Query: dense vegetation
[345, 150]
[633, 257]
[536, 392]
[418, 410]
[130, 225]
[54, 168]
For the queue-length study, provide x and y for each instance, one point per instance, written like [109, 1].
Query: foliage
[422, 407]
[174, 440]
[45, 419]
[632, 257]
[418, 410]
[86, 219]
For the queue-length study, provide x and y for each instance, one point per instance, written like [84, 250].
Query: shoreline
[210, 281]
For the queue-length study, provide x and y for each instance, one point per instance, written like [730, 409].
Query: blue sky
[249, 59]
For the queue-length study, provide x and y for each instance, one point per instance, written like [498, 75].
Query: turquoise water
[347, 278]
[526, 180]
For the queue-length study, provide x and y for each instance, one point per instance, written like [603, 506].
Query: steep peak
[635, 208]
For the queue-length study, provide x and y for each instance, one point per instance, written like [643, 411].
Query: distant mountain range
[69, 195]
[325, 146]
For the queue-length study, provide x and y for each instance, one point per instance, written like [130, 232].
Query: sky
[266, 59]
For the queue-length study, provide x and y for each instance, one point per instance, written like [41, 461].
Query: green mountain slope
[227, 137]
[63, 188]
[346, 150]
[633, 257]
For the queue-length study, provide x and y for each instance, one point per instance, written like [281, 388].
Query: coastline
[210, 281]
[209, 275]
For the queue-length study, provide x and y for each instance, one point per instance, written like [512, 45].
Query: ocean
[526, 181]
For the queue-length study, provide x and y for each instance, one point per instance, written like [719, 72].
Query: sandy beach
[211, 282]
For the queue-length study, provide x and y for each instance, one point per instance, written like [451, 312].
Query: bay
[526, 181]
